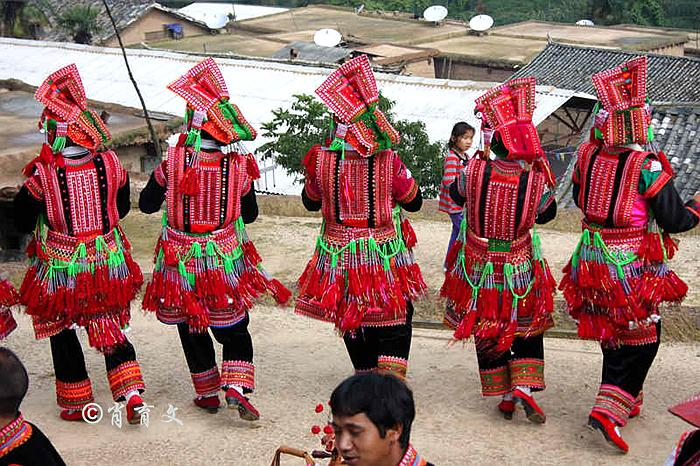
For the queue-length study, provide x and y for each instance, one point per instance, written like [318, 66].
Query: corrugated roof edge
[246, 62]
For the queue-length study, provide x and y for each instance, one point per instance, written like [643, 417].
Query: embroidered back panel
[501, 198]
[81, 199]
[609, 184]
[222, 180]
[370, 180]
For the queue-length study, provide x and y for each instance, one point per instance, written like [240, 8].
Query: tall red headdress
[209, 109]
[351, 93]
[208, 106]
[66, 114]
[624, 117]
[506, 114]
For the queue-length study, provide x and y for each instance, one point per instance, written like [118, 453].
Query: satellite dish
[480, 23]
[584, 22]
[360, 9]
[327, 37]
[435, 13]
[217, 20]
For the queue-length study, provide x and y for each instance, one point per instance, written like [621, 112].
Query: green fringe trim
[59, 143]
[212, 253]
[591, 241]
[367, 246]
[78, 262]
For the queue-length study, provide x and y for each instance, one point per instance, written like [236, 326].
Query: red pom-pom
[189, 183]
[315, 430]
[252, 167]
[328, 430]
[319, 408]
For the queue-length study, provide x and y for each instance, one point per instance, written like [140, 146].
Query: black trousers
[199, 348]
[627, 366]
[69, 362]
[530, 348]
[367, 344]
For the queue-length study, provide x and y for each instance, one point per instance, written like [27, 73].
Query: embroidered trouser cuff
[527, 372]
[615, 403]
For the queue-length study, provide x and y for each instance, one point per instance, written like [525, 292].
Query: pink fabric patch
[640, 214]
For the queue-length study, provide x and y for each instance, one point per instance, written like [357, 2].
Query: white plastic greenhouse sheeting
[256, 87]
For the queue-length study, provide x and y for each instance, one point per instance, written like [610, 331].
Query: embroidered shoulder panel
[368, 181]
[501, 198]
[609, 184]
[222, 180]
[81, 198]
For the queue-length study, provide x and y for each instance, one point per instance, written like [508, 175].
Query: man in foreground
[372, 417]
[20, 441]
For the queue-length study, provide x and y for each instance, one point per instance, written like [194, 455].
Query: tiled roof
[677, 134]
[124, 12]
[672, 80]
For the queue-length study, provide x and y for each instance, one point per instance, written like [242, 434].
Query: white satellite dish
[584, 22]
[480, 23]
[435, 13]
[216, 20]
[327, 37]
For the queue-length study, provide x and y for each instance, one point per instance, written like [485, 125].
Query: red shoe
[507, 408]
[636, 410]
[246, 410]
[133, 416]
[73, 416]
[209, 403]
[609, 429]
[533, 412]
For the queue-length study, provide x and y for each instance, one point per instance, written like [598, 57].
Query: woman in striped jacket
[455, 160]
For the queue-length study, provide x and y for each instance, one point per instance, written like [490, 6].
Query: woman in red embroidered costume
[362, 276]
[497, 284]
[618, 275]
[208, 272]
[8, 298]
[81, 271]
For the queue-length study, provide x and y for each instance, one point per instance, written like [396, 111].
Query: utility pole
[151, 129]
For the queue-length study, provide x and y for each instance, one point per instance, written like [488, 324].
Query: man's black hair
[384, 399]
[13, 383]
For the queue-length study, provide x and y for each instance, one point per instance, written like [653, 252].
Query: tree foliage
[21, 19]
[80, 22]
[295, 130]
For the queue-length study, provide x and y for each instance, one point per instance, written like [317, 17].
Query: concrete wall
[674, 50]
[422, 68]
[452, 68]
[153, 22]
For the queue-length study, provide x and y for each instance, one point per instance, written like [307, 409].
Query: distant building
[137, 21]
[505, 49]
[217, 15]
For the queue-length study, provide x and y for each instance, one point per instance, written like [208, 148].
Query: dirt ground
[299, 362]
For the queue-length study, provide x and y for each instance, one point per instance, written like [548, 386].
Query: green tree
[295, 130]
[80, 22]
[11, 12]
